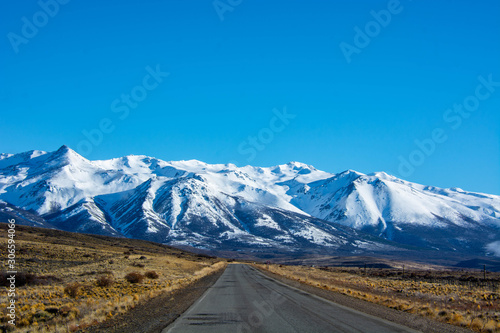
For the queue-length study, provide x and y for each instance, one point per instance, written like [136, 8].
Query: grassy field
[461, 298]
[67, 281]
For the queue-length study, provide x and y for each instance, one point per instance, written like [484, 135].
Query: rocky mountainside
[291, 207]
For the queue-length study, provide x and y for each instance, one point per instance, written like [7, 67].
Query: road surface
[245, 300]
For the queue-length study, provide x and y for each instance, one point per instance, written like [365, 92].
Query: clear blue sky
[227, 76]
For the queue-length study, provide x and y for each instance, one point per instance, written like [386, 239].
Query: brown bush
[73, 289]
[66, 311]
[152, 275]
[41, 316]
[23, 278]
[105, 280]
[136, 264]
[134, 277]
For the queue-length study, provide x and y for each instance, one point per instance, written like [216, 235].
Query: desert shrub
[134, 277]
[23, 278]
[457, 319]
[136, 264]
[152, 275]
[73, 289]
[490, 326]
[7, 328]
[476, 324]
[105, 280]
[70, 311]
[202, 255]
[42, 316]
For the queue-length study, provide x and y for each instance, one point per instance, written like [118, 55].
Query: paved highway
[245, 300]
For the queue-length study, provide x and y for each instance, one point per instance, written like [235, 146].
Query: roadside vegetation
[67, 282]
[461, 298]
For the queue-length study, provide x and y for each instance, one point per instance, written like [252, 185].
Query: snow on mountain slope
[186, 211]
[198, 204]
[370, 200]
[50, 182]
[402, 211]
[84, 216]
[22, 217]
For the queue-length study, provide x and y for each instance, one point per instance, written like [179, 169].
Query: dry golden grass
[473, 306]
[90, 284]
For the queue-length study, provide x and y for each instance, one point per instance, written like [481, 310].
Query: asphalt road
[245, 300]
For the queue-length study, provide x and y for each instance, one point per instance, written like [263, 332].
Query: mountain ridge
[291, 206]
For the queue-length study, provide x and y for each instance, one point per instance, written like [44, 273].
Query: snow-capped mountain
[292, 206]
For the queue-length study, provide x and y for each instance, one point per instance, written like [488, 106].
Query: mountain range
[292, 207]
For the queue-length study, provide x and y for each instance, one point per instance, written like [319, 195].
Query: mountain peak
[350, 172]
[67, 156]
[292, 166]
[210, 203]
[299, 165]
[381, 175]
[64, 150]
